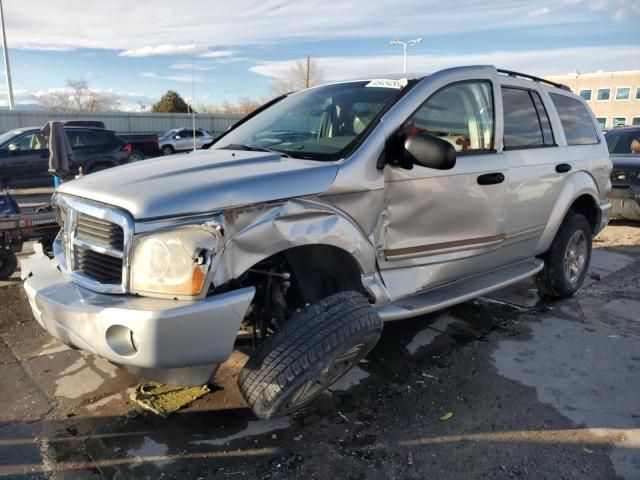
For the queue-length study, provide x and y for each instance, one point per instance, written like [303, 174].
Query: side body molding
[578, 184]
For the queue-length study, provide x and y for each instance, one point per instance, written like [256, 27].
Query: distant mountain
[24, 106]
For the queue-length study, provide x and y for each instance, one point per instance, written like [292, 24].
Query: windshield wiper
[254, 148]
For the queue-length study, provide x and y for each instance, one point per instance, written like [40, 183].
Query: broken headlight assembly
[174, 262]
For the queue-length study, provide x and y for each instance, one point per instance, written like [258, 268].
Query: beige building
[614, 97]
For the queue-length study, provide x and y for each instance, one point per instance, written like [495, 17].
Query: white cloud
[197, 67]
[164, 49]
[622, 10]
[540, 62]
[217, 54]
[173, 78]
[170, 27]
[539, 12]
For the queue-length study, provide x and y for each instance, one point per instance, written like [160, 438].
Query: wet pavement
[533, 391]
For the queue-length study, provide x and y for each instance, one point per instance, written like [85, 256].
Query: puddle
[78, 384]
[350, 379]
[103, 401]
[255, 427]
[426, 337]
[150, 449]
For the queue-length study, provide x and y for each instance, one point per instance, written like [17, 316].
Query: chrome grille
[95, 244]
[100, 231]
[104, 268]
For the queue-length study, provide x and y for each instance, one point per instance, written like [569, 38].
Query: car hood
[201, 182]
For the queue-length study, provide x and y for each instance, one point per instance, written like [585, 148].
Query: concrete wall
[121, 122]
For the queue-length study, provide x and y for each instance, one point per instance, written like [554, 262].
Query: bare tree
[303, 74]
[243, 107]
[77, 97]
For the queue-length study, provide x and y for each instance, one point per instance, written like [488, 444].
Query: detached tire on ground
[311, 351]
[567, 261]
[8, 263]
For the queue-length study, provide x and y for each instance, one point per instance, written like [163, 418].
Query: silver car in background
[181, 140]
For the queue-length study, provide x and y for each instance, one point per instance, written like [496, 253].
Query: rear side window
[526, 123]
[576, 120]
[624, 143]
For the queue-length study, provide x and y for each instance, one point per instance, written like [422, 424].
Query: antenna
[193, 93]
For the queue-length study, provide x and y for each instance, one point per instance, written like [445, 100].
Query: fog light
[122, 340]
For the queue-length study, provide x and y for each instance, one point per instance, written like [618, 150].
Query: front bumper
[156, 338]
[626, 202]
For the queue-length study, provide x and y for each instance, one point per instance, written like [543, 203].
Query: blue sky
[138, 50]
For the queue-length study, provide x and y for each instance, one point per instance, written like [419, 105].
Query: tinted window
[623, 93]
[576, 120]
[31, 141]
[586, 94]
[83, 138]
[522, 128]
[624, 143]
[461, 114]
[545, 124]
[604, 93]
[199, 133]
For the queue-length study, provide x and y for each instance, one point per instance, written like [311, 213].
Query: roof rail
[535, 79]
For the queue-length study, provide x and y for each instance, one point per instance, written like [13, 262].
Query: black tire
[167, 150]
[136, 156]
[553, 281]
[8, 263]
[311, 351]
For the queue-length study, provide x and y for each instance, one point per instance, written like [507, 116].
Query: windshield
[168, 133]
[318, 124]
[6, 136]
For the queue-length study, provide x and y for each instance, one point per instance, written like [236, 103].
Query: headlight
[174, 262]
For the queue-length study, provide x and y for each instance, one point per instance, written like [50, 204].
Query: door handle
[563, 167]
[490, 178]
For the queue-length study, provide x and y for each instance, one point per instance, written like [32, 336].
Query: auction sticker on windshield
[388, 83]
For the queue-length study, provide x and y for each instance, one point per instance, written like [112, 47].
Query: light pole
[405, 45]
[6, 60]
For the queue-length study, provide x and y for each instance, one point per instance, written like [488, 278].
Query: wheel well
[586, 206]
[322, 270]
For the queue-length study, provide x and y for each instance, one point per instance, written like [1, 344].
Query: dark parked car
[624, 149]
[24, 154]
[143, 145]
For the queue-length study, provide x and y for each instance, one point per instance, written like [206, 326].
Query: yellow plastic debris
[446, 416]
[164, 400]
[587, 450]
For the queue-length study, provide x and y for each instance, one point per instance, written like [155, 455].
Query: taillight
[126, 148]
[158, 141]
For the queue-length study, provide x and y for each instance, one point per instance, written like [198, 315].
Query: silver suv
[181, 140]
[319, 217]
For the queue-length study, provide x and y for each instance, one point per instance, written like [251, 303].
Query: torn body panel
[255, 234]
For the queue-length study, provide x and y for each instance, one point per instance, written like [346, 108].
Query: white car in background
[181, 140]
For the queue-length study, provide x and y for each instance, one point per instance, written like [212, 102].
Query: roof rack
[535, 79]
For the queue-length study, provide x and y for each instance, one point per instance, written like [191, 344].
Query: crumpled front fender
[256, 233]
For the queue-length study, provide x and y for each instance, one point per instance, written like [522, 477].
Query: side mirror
[429, 151]
[14, 148]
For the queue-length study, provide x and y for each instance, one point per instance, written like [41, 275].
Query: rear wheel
[167, 150]
[136, 156]
[8, 263]
[310, 352]
[567, 261]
